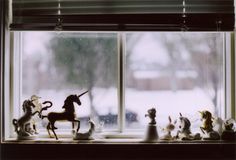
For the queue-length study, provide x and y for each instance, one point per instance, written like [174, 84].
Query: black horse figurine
[68, 114]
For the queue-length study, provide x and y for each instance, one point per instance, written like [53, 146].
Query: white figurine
[87, 135]
[169, 128]
[218, 124]
[38, 107]
[185, 131]
[23, 125]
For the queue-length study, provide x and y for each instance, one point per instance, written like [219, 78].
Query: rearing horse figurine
[207, 127]
[68, 114]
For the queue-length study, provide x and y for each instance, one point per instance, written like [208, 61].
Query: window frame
[8, 62]
[14, 90]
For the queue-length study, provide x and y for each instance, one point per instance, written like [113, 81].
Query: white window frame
[12, 87]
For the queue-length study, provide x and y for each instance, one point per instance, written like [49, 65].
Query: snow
[156, 74]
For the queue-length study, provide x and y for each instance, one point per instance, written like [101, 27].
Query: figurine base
[82, 136]
[32, 137]
[151, 134]
[167, 137]
[212, 136]
[189, 137]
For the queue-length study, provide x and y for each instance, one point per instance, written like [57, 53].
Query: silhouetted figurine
[169, 128]
[68, 114]
[152, 115]
[207, 126]
[228, 132]
[185, 132]
[87, 135]
[23, 125]
[151, 134]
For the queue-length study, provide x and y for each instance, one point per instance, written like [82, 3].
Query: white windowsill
[108, 138]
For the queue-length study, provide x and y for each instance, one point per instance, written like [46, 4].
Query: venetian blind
[123, 15]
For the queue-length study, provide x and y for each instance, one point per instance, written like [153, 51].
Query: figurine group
[184, 131]
[25, 126]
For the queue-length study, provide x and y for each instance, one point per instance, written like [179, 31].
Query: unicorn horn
[82, 94]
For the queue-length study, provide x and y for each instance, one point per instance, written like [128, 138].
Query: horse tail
[45, 108]
[15, 123]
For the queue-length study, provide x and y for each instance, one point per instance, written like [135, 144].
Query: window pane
[173, 72]
[56, 65]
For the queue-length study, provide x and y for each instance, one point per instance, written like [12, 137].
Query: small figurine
[87, 135]
[38, 107]
[152, 115]
[185, 133]
[218, 124]
[151, 135]
[23, 125]
[207, 126]
[169, 128]
[229, 133]
[68, 114]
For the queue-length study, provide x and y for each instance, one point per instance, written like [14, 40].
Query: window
[173, 72]
[176, 73]
[57, 65]
[127, 64]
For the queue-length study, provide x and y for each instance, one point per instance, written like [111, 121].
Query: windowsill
[118, 148]
[114, 140]
[108, 137]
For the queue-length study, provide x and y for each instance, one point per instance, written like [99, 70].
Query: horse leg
[202, 130]
[52, 128]
[54, 133]
[73, 125]
[78, 127]
[48, 128]
[177, 135]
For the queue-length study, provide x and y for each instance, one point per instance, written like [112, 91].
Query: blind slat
[148, 14]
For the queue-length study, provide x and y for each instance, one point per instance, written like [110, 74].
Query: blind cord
[59, 26]
[183, 26]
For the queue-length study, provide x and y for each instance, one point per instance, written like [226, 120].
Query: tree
[86, 60]
[206, 55]
[172, 44]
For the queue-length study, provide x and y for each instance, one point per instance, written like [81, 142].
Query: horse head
[184, 123]
[27, 104]
[73, 98]
[206, 115]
